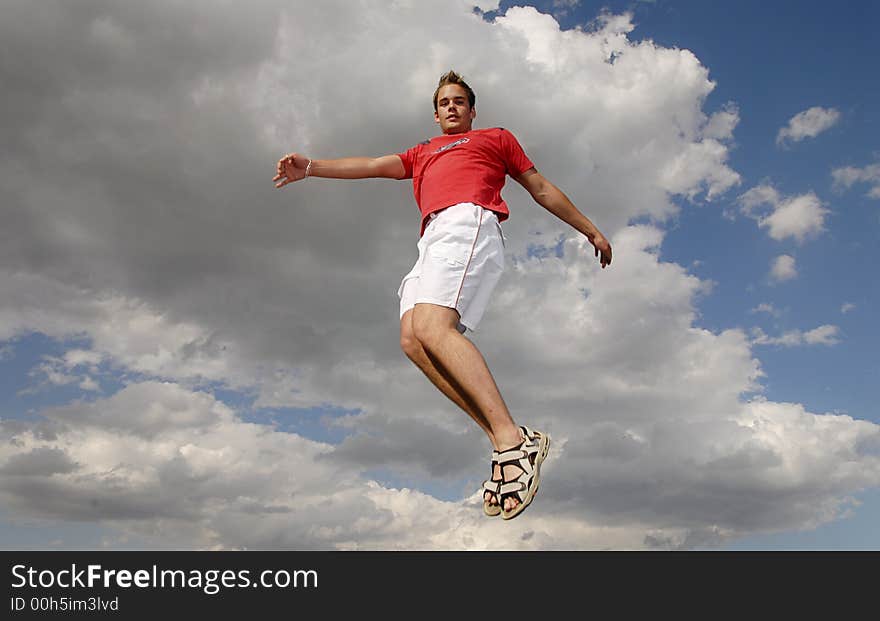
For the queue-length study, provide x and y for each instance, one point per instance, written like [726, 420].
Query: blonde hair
[450, 77]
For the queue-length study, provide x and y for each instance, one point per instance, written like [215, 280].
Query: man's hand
[291, 168]
[602, 246]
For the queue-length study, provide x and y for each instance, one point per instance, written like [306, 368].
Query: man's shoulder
[501, 134]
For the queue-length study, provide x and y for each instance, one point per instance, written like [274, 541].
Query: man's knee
[431, 324]
[409, 344]
[408, 341]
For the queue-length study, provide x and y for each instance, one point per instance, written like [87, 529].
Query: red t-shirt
[464, 168]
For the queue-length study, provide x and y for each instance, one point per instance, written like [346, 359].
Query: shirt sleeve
[515, 158]
[408, 158]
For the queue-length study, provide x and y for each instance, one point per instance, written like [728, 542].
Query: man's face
[454, 112]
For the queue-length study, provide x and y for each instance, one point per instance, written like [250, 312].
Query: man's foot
[521, 471]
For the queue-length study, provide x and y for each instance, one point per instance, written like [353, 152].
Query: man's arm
[294, 167]
[553, 200]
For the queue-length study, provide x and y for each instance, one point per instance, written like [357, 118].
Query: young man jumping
[457, 181]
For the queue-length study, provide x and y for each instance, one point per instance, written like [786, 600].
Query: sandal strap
[517, 488]
[524, 455]
[531, 442]
[519, 454]
[528, 433]
[493, 485]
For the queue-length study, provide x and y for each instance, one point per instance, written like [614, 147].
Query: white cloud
[758, 196]
[783, 268]
[767, 308]
[823, 335]
[800, 217]
[847, 176]
[51, 373]
[76, 357]
[288, 295]
[847, 307]
[155, 453]
[720, 125]
[807, 124]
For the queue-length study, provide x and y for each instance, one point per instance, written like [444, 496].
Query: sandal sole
[491, 512]
[488, 509]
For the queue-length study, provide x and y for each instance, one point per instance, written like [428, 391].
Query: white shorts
[461, 258]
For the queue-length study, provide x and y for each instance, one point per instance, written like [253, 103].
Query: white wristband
[308, 168]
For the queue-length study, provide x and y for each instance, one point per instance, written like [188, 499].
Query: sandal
[492, 486]
[528, 456]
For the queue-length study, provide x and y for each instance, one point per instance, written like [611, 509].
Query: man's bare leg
[459, 361]
[415, 352]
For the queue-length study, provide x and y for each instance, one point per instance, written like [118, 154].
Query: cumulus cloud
[847, 176]
[783, 268]
[807, 124]
[800, 217]
[160, 253]
[722, 123]
[155, 455]
[38, 462]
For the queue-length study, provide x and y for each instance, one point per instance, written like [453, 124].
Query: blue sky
[157, 267]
